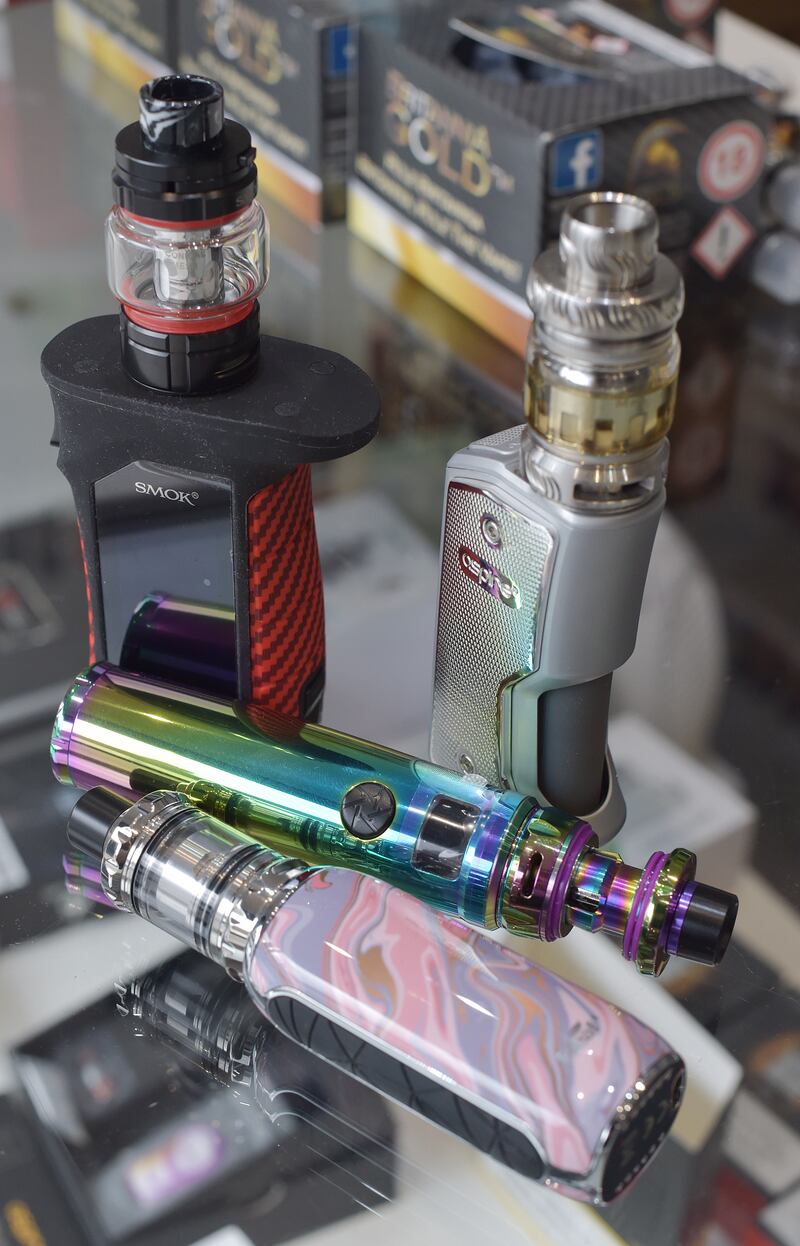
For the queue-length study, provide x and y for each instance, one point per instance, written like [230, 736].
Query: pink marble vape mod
[550, 1079]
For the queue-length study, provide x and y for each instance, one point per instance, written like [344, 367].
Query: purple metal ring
[579, 839]
[633, 926]
[684, 900]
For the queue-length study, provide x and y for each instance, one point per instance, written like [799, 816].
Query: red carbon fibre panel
[274, 726]
[287, 620]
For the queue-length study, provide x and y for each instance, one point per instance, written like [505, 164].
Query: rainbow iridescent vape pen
[548, 527]
[572, 1091]
[492, 857]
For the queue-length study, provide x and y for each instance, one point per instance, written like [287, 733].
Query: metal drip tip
[608, 242]
[605, 281]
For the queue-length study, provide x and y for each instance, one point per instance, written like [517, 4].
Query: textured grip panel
[490, 599]
[415, 1090]
[287, 621]
[515, 1042]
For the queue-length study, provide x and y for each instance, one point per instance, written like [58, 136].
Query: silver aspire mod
[548, 527]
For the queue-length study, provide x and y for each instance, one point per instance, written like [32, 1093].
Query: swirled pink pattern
[520, 1042]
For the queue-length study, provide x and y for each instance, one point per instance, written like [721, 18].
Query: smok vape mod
[188, 452]
[581, 1093]
[491, 857]
[548, 527]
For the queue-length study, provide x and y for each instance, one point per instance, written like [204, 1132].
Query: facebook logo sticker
[576, 162]
[341, 51]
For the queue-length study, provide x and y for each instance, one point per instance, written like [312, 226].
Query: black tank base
[191, 363]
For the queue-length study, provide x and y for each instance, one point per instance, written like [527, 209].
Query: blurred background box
[32, 1206]
[460, 176]
[286, 70]
[42, 617]
[134, 40]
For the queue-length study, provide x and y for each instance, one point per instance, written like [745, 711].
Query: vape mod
[581, 1093]
[492, 857]
[189, 451]
[548, 527]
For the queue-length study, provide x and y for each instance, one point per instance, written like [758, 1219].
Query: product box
[286, 70]
[43, 631]
[466, 153]
[132, 39]
[43, 643]
[33, 1209]
[755, 1197]
[33, 814]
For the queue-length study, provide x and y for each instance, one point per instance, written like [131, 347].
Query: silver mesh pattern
[482, 642]
[503, 438]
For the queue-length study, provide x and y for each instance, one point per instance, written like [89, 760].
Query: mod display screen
[165, 549]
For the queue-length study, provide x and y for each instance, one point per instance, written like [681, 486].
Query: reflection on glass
[158, 1152]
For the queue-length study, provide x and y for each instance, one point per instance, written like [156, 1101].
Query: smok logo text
[489, 578]
[171, 495]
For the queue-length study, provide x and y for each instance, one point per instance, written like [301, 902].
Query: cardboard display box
[33, 1208]
[132, 39]
[461, 176]
[286, 70]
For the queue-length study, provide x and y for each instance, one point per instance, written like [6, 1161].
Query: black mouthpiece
[708, 925]
[182, 160]
[91, 819]
[181, 111]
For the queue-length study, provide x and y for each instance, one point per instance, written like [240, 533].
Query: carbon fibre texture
[550, 108]
[287, 619]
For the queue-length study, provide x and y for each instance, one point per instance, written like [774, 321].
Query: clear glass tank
[202, 271]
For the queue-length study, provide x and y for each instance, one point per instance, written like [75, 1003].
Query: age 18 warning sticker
[731, 161]
[722, 241]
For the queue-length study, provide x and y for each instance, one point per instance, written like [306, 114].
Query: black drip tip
[92, 818]
[181, 111]
[182, 160]
[707, 925]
